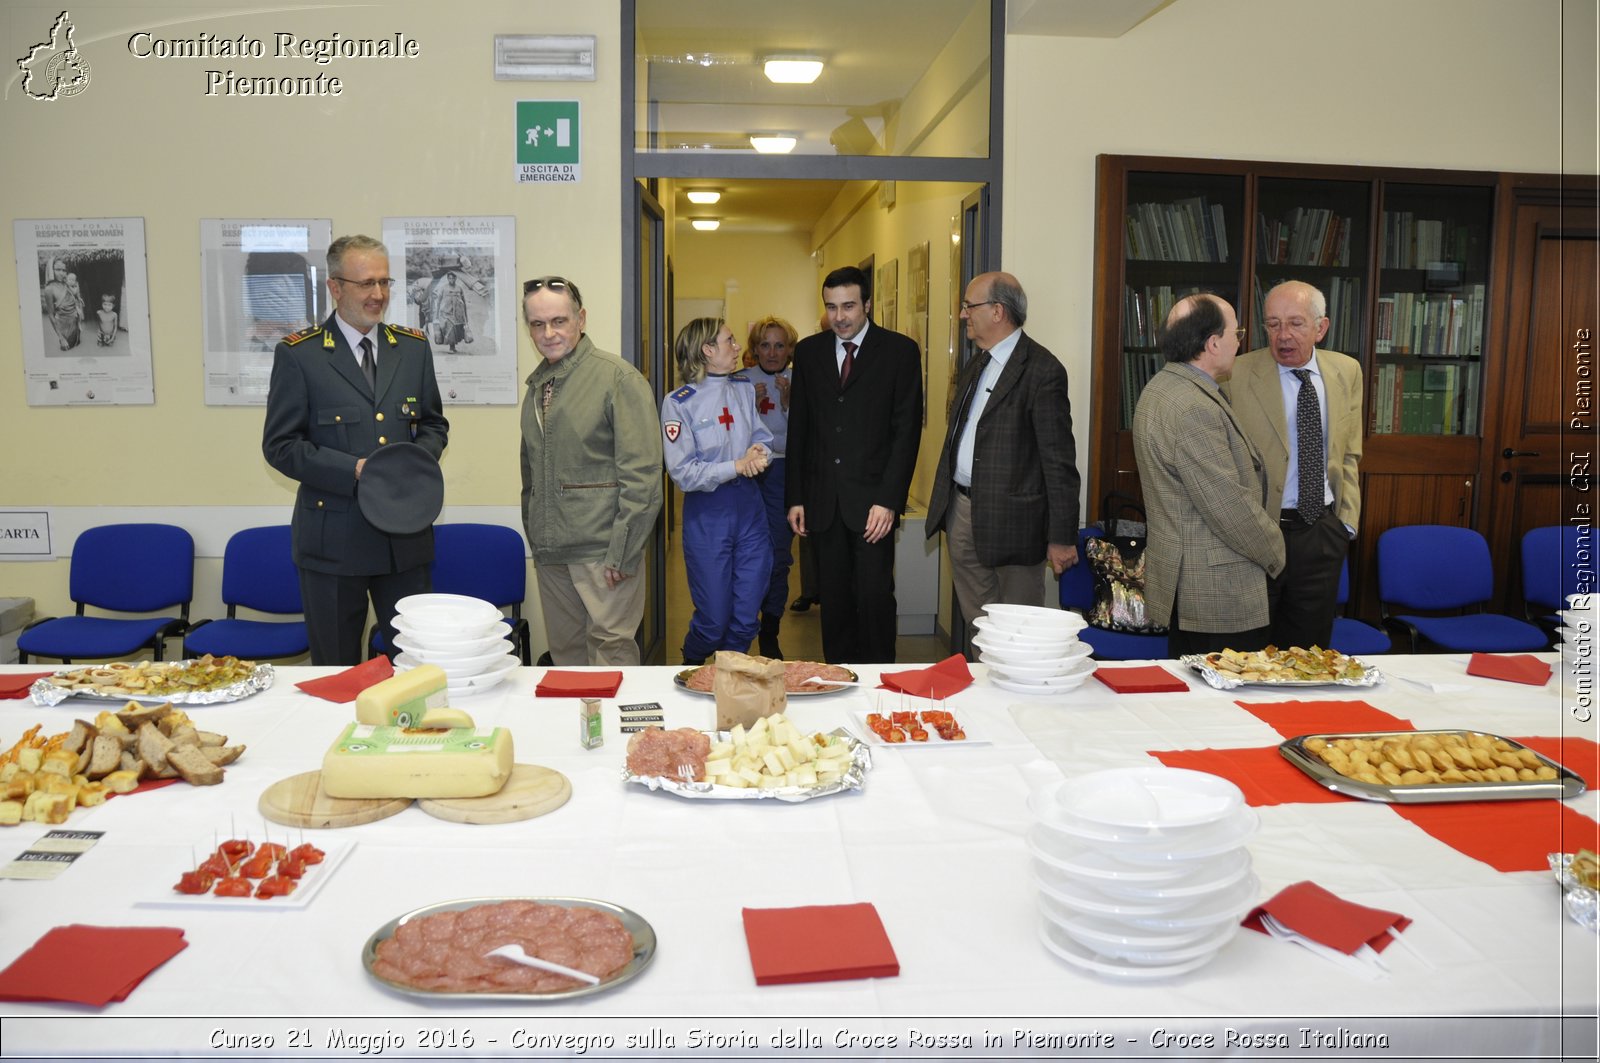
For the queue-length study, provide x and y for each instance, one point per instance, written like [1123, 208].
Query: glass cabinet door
[1314, 231]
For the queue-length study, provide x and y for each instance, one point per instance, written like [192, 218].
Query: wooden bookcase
[1405, 259]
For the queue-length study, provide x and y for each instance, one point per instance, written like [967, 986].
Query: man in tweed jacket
[1210, 543]
[1006, 489]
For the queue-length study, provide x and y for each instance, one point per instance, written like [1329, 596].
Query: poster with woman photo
[260, 279]
[456, 281]
[85, 311]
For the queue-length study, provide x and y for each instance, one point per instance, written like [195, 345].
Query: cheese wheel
[445, 717]
[401, 700]
[388, 762]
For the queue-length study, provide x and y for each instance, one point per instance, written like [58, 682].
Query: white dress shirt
[999, 355]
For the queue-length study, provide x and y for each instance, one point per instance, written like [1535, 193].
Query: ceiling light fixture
[792, 69]
[704, 196]
[705, 225]
[772, 145]
[547, 57]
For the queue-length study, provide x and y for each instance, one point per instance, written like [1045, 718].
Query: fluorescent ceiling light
[792, 69]
[772, 145]
[705, 225]
[704, 196]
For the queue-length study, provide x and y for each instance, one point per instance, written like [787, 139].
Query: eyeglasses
[1239, 332]
[973, 306]
[368, 285]
[558, 284]
[1295, 324]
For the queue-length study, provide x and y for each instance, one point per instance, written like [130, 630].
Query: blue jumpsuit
[727, 549]
[776, 418]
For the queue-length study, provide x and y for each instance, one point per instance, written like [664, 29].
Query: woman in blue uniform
[772, 340]
[715, 444]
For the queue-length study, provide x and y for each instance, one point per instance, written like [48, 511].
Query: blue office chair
[1077, 592]
[258, 572]
[123, 568]
[1350, 636]
[486, 561]
[1550, 568]
[1437, 567]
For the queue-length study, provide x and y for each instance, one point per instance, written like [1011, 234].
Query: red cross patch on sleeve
[673, 429]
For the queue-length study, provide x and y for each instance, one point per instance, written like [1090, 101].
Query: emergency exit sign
[548, 141]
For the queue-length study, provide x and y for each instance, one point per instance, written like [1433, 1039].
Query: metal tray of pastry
[1369, 677]
[51, 691]
[644, 950]
[853, 779]
[1565, 784]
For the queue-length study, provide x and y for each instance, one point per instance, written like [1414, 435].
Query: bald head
[1201, 329]
[1295, 316]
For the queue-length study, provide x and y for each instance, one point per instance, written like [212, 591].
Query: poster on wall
[260, 279]
[886, 298]
[85, 312]
[456, 280]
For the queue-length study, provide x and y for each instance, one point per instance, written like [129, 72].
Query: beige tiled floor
[800, 637]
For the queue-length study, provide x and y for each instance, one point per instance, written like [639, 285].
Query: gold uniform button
[319, 503]
[380, 416]
[381, 439]
[337, 418]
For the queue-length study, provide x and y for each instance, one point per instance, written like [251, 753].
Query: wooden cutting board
[298, 801]
[531, 791]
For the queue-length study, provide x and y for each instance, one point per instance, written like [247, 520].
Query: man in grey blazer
[1006, 489]
[1210, 542]
[339, 391]
[1300, 407]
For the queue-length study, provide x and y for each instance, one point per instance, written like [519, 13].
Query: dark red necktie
[849, 362]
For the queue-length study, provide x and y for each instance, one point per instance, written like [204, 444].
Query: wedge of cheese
[386, 762]
[446, 718]
[403, 699]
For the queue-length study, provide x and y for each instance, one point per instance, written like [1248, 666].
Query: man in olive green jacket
[591, 482]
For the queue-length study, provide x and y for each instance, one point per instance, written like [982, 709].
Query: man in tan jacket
[1211, 544]
[1300, 407]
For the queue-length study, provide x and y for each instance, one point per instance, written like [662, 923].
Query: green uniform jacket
[591, 474]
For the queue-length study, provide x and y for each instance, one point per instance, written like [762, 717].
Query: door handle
[1510, 452]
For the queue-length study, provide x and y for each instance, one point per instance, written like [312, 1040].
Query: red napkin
[949, 676]
[559, 684]
[1507, 835]
[1308, 909]
[1294, 718]
[1264, 776]
[92, 965]
[16, 685]
[1512, 667]
[1146, 679]
[344, 686]
[819, 943]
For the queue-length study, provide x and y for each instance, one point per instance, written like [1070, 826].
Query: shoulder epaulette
[740, 377]
[683, 393]
[407, 330]
[304, 334]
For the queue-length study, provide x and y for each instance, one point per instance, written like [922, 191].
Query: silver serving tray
[644, 949]
[681, 681]
[1568, 784]
[44, 692]
[1371, 677]
[853, 779]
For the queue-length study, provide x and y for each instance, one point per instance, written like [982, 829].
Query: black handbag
[1117, 558]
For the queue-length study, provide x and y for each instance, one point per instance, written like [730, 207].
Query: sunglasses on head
[559, 284]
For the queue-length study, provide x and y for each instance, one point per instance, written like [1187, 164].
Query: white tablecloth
[935, 841]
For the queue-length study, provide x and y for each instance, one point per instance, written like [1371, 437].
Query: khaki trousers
[978, 585]
[587, 622]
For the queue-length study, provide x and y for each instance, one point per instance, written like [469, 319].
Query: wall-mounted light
[704, 196]
[524, 57]
[792, 69]
[772, 145]
[705, 225]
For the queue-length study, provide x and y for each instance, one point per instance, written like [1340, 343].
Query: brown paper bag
[747, 688]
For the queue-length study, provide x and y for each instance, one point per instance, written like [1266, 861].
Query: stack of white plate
[1142, 872]
[463, 636]
[1033, 650]
[1578, 634]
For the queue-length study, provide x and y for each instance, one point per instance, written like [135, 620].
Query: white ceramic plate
[1078, 955]
[1034, 667]
[1097, 864]
[1152, 911]
[1106, 935]
[431, 653]
[1149, 798]
[1070, 673]
[1035, 618]
[483, 680]
[997, 632]
[459, 671]
[448, 637]
[1203, 942]
[990, 650]
[436, 610]
[1159, 847]
[869, 736]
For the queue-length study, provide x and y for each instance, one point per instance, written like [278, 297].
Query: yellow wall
[756, 273]
[432, 135]
[1457, 84]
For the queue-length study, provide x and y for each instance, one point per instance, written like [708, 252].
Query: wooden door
[1539, 452]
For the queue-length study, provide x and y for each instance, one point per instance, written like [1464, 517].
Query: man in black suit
[339, 391]
[1006, 490]
[855, 419]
